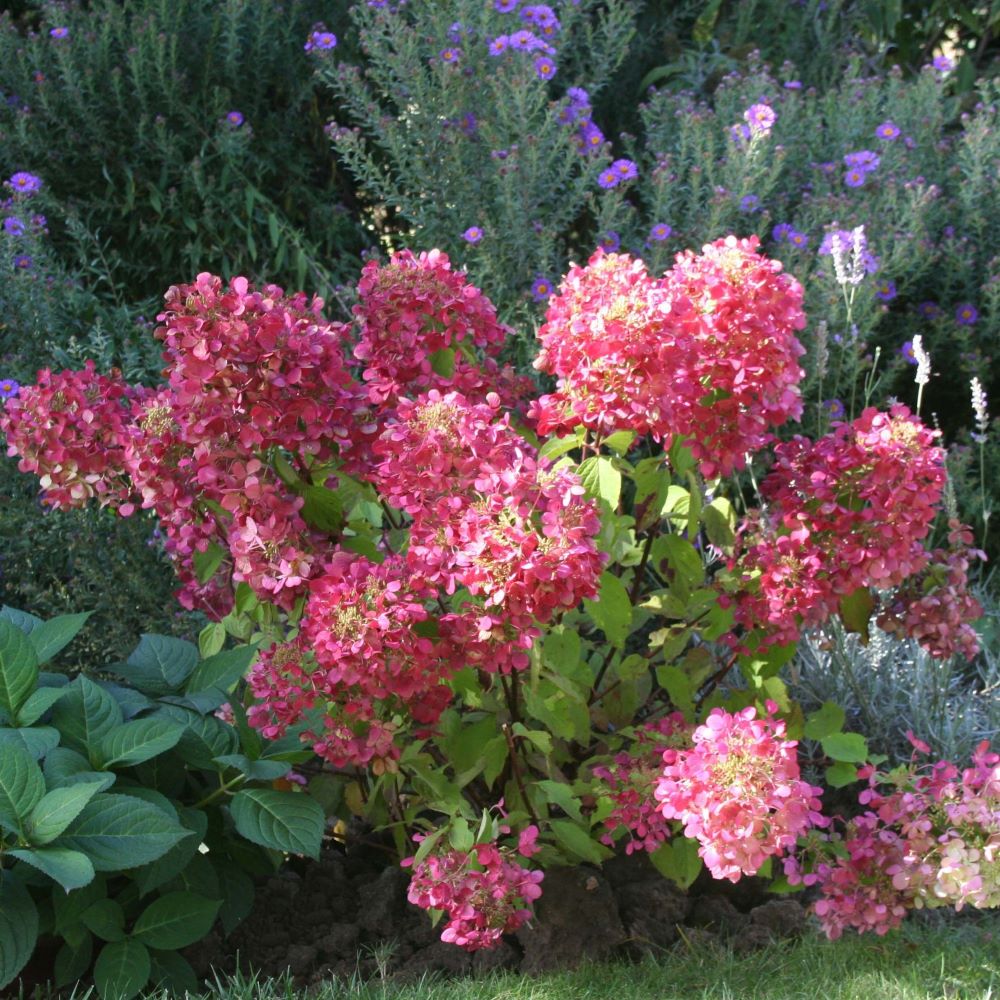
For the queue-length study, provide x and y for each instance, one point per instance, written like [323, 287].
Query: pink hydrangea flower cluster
[847, 511]
[485, 892]
[738, 791]
[935, 606]
[629, 782]
[708, 352]
[932, 839]
[68, 429]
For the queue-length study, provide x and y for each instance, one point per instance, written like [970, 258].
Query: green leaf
[106, 919]
[84, 714]
[71, 869]
[841, 774]
[21, 785]
[159, 665]
[18, 668]
[601, 479]
[37, 740]
[121, 970]
[826, 720]
[719, 519]
[577, 842]
[136, 741]
[68, 909]
[323, 509]
[560, 794]
[25, 622]
[222, 670]
[443, 362]
[72, 962]
[161, 871]
[54, 635]
[678, 860]
[620, 441]
[57, 809]
[66, 767]
[18, 928]
[704, 26]
[554, 447]
[173, 973]
[206, 563]
[612, 611]
[255, 770]
[539, 737]
[38, 703]
[848, 747]
[211, 639]
[856, 611]
[175, 920]
[238, 894]
[286, 821]
[205, 737]
[120, 831]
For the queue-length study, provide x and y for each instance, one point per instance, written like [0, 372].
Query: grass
[926, 960]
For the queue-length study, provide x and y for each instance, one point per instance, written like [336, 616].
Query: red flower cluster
[933, 840]
[738, 791]
[935, 606]
[847, 511]
[630, 781]
[485, 892]
[706, 353]
[69, 430]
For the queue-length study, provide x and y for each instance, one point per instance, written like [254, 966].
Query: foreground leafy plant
[132, 816]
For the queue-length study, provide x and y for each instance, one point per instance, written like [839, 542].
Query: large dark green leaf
[286, 821]
[54, 635]
[172, 863]
[21, 785]
[138, 741]
[72, 962]
[58, 808]
[175, 920]
[84, 715]
[71, 869]
[120, 831]
[18, 928]
[38, 703]
[221, 671]
[37, 740]
[121, 970]
[18, 668]
[159, 665]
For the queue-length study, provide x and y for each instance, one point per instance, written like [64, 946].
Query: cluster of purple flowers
[784, 232]
[24, 183]
[859, 166]
[619, 171]
[885, 290]
[320, 40]
[576, 112]
[758, 120]
[542, 19]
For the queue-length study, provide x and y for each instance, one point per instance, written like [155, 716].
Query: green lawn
[921, 962]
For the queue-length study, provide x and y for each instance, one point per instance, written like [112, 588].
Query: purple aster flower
[887, 131]
[793, 85]
[907, 351]
[545, 68]
[760, 118]
[235, 118]
[525, 41]
[608, 179]
[943, 64]
[797, 239]
[505, 6]
[468, 123]
[542, 16]
[660, 232]
[610, 241]
[740, 134]
[863, 159]
[13, 226]
[8, 388]
[449, 55]
[625, 169]
[749, 203]
[473, 234]
[591, 137]
[855, 177]
[321, 41]
[885, 290]
[578, 95]
[929, 310]
[22, 262]
[456, 32]
[834, 409]
[827, 168]
[499, 45]
[59, 32]
[24, 183]
[780, 232]
[966, 314]
[541, 289]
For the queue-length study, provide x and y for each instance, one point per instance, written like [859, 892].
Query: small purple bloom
[797, 239]
[929, 310]
[855, 178]
[321, 41]
[625, 169]
[608, 179]
[660, 232]
[545, 68]
[610, 241]
[578, 95]
[22, 262]
[907, 351]
[235, 118]
[540, 15]
[24, 183]
[505, 6]
[591, 137]
[499, 45]
[449, 55]
[966, 314]
[780, 232]
[59, 32]
[760, 118]
[473, 234]
[887, 131]
[834, 409]
[864, 160]
[749, 203]
[885, 290]
[455, 32]
[943, 64]
[541, 289]
[13, 226]
[526, 41]
[740, 134]
[827, 168]
[8, 388]
[793, 85]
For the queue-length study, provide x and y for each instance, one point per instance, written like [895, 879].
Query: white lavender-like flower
[848, 257]
[979, 408]
[822, 350]
[923, 375]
